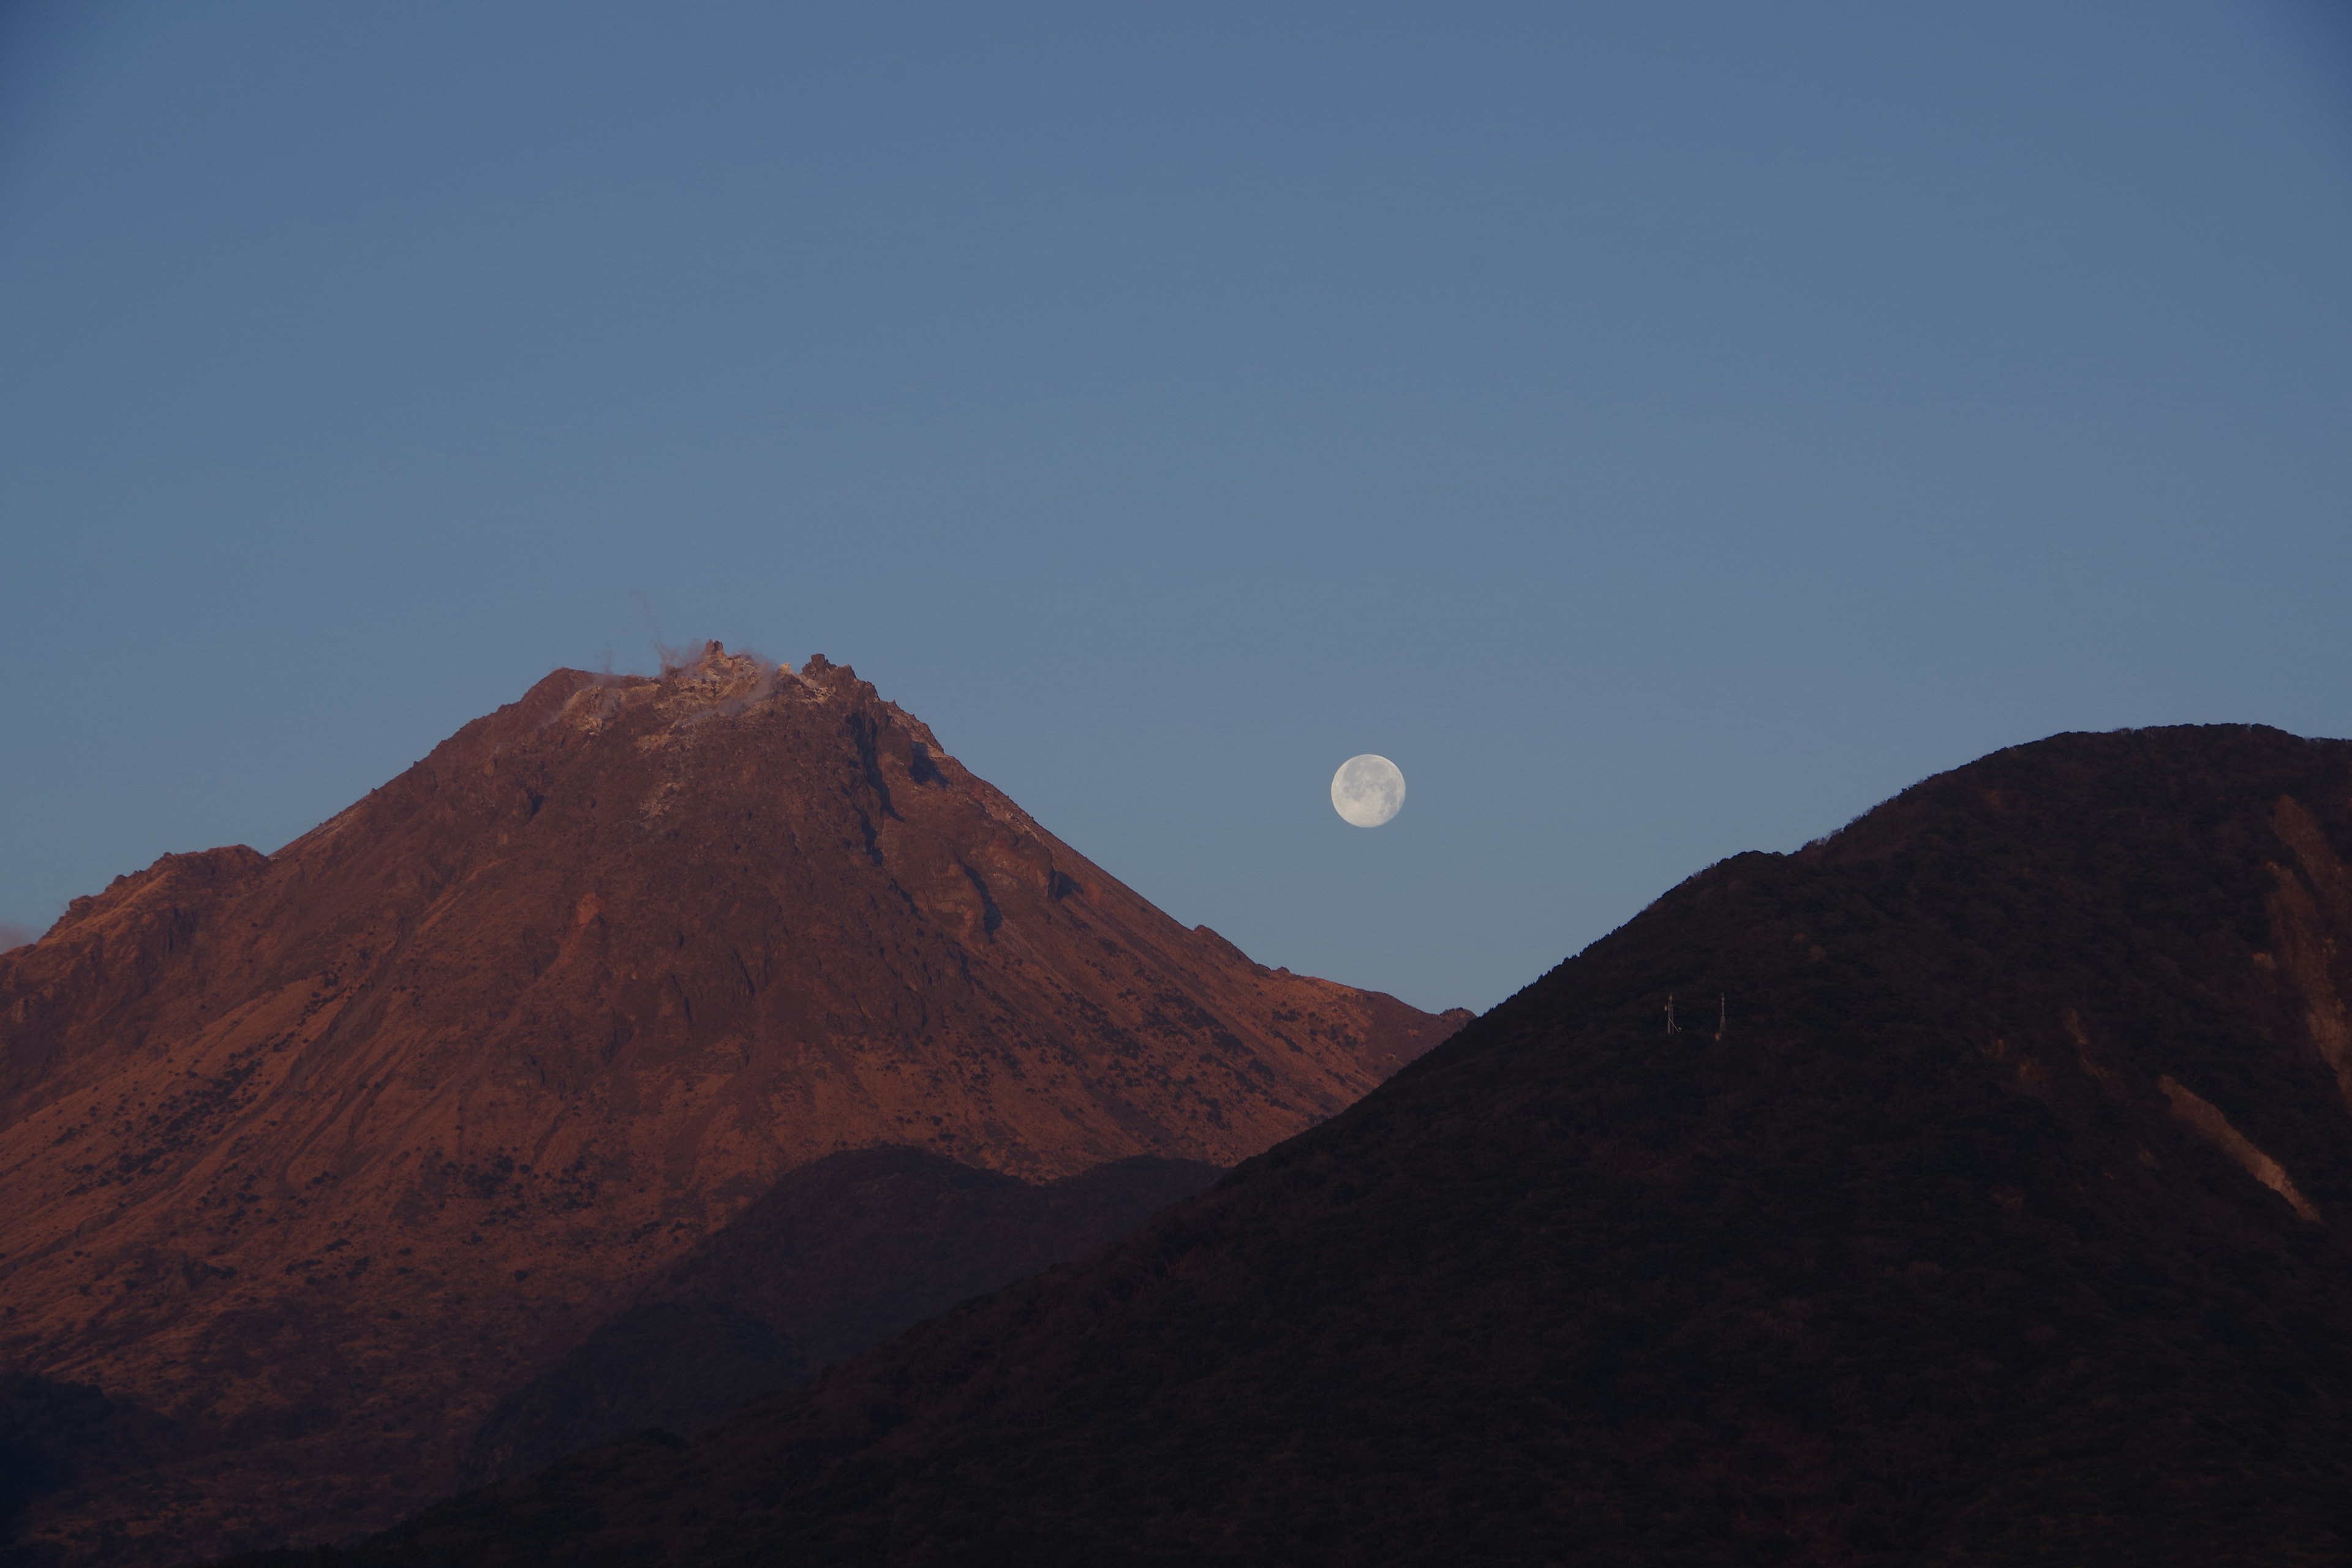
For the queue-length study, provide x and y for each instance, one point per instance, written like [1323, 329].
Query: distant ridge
[2002, 1219]
[312, 1157]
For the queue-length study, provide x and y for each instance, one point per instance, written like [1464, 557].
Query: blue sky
[1665, 430]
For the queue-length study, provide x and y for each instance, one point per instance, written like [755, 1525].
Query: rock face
[1989, 1204]
[314, 1155]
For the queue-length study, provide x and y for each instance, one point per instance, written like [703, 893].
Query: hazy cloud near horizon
[13, 935]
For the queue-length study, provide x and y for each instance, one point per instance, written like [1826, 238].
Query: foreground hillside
[837, 1256]
[2002, 1220]
[311, 1158]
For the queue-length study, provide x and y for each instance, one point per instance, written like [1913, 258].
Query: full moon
[1368, 790]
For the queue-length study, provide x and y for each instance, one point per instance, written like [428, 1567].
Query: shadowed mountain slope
[2004, 1221]
[314, 1155]
[837, 1256]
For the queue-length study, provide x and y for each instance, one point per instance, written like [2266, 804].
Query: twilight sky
[1665, 430]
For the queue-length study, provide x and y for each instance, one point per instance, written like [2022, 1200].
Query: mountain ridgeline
[316, 1161]
[1988, 1201]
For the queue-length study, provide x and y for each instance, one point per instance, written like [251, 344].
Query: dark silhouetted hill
[837, 1256]
[2004, 1221]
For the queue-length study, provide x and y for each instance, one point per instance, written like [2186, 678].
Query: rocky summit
[1972, 1187]
[311, 1158]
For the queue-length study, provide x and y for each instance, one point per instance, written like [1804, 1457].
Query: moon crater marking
[1368, 790]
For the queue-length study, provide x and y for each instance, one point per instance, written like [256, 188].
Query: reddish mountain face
[314, 1155]
[1997, 1213]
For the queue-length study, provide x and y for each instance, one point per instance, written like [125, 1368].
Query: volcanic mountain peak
[2005, 1221]
[469, 1061]
[692, 685]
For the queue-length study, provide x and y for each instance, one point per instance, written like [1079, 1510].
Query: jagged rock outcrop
[1988, 1201]
[316, 1155]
